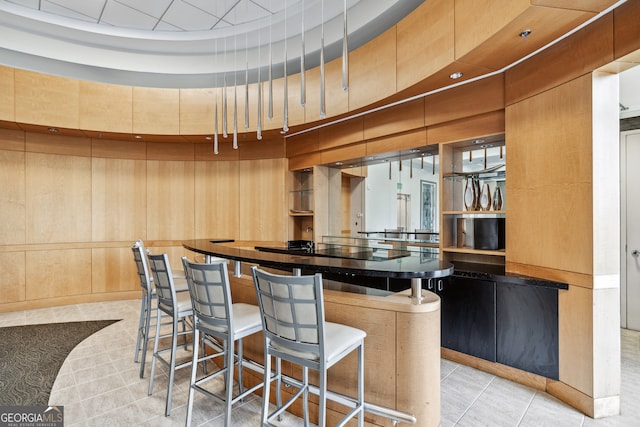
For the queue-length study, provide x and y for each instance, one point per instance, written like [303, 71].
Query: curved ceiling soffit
[43, 42]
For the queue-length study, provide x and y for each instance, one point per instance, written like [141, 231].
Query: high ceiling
[197, 43]
[183, 43]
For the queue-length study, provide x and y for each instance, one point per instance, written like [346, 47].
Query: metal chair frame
[215, 315]
[178, 307]
[295, 330]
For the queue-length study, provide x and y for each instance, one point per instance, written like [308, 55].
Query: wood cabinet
[468, 308]
[472, 174]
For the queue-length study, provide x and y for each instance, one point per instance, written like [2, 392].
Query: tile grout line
[524, 413]
[475, 400]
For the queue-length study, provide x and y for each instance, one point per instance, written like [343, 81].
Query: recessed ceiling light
[478, 141]
[455, 75]
[138, 137]
[338, 163]
[414, 150]
[53, 129]
[371, 157]
[525, 33]
[208, 138]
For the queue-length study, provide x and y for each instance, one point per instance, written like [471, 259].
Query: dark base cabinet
[527, 328]
[468, 310]
[511, 324]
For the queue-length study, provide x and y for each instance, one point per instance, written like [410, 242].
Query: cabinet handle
[429, 284]
[440, 285]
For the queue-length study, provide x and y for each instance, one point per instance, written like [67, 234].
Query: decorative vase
[469, 195]
[476, 193]
[497, 199]
[485, 198]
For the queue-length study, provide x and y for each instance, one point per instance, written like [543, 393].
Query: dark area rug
[31, 356]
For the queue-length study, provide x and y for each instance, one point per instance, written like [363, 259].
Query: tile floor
[99, 384]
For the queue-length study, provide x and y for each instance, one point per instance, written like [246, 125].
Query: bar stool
[294, 328]
[177, 305]
[214, 315]
[146, 305]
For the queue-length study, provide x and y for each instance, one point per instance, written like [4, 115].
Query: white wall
[380, 193]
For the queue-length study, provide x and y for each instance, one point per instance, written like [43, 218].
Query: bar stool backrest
[292, 309]
[140, 257]
[210, 295]
[163, 280]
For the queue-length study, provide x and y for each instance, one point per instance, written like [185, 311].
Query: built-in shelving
[461, 161]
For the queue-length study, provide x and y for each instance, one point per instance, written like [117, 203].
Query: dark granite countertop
[350, 261]
[497, 273]
[382, 263]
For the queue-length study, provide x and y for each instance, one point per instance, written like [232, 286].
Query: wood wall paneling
[7, 84]
[197, 111]
[12, 198]
[303, 143]
[576, 346]
[340, 134]
[113, 270]
[106, 107]
[549, 199]
[115, 149]
[475, 98]
[336, 99]
[182, 151]
[478, 20]
[170, 194]
[305, 161]
[368, 87]
[585, 51]
[12, 139]
[58, 273]
[47, 100]
[587, 5]
[156, 111]
[400, 118]
[476, 126]
[118, 199]
[506, 46]
[58, 198]
[626, 21]
[263, 203]
[251, 149]
[217, 200]
[296, 113]
[204, 151]
[12, 270]
[51, 143]
[425, 42]
[350, 152]
[394, 143]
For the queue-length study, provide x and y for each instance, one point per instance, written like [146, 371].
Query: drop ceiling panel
[185, 16]
[154, 8]
[119, 15]
[79, 9]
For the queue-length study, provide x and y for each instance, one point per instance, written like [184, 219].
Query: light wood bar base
[402, 352]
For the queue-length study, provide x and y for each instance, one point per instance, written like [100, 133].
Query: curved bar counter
[402, 348]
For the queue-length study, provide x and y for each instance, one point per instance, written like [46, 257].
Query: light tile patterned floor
[99, 384]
